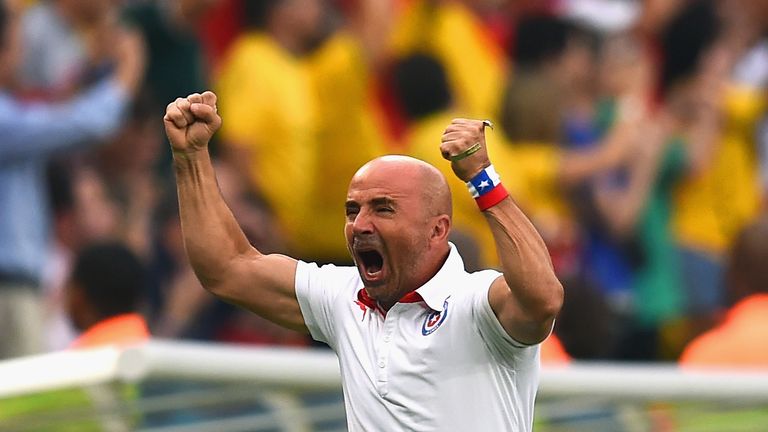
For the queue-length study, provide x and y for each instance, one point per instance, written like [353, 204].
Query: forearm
[525, 261]
[43, 128]
[579, 165]
[212, 237]
[526, 300]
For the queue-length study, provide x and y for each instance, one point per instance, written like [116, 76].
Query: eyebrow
[374, 202]
[383, 201]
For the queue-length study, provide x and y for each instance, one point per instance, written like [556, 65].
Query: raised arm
[223, 259]
[529, 295]
[39, 129]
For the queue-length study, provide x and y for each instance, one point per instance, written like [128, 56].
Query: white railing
[318, 369]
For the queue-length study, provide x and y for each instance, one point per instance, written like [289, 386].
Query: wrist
[187, 157]
[486, 188]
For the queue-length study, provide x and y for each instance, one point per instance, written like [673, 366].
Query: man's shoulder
[481, 279]
[331, 273]
[465, 287]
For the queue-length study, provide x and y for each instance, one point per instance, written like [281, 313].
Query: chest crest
[434, 320]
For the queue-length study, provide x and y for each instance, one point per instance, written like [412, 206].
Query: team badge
[434, 320]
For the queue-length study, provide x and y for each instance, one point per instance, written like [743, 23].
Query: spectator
[308, 104]
[83, 212]
[277, 123]
[341, 71]
[453, 33]
[720, 110]
[175, 60]
[31, 134]
[741, 338]
[636, 208]
[67, 46]
[104, 293]
[176, 64]
[127, 165]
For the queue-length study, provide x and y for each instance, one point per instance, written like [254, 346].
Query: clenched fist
[191, 122]
[463, 143]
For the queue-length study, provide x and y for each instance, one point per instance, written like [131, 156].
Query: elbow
[224, 277]
[552, 301]
[546, 312]
[214, 285]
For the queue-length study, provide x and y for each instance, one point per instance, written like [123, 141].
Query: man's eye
[385, 210]
[352, 212]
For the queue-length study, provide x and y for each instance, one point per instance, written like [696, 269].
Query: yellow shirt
[268, 108]
[711, 207]
[474, 63]
[348, 137]
[529, 172]
[423, 142]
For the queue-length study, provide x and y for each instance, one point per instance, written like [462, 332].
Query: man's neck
[433, 266]
[286, 37]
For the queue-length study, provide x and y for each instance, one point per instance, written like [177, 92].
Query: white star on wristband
[484, 182]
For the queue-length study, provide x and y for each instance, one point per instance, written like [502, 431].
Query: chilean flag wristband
[486, 188]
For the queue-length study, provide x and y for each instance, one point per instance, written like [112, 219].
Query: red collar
[364, 298]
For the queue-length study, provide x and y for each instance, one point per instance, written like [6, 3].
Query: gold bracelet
[466, 153]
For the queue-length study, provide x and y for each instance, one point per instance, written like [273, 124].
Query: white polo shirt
[442, 363]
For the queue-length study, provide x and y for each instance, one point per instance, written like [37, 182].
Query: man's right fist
[191, 122]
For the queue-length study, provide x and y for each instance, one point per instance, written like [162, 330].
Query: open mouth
[371, 263]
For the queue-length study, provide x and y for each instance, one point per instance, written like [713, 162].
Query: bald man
[422, 344]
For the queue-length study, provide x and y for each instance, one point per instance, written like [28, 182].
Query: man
[421, 343]
[103, 296]
[31, 135]
[66, 46]
[310, 89]
[741, 339]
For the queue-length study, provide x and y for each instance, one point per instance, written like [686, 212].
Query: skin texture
[397, 207]
[528, 296]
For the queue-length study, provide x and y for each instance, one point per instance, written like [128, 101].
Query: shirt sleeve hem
[498, 329]
[302, 295]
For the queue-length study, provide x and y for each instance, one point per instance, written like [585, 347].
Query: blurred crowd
[633, 134]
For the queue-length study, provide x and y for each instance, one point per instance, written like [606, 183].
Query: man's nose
[362, 223]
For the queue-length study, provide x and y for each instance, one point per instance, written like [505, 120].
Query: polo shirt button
[387, 338]
[381, 363]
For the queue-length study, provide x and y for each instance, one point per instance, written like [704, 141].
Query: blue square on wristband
[485, 181]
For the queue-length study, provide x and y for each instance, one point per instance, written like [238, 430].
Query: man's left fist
[463, 143]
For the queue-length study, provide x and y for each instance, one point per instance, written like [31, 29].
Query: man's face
[387, 229]
[89, 12]
[305, 17]
[196, 9]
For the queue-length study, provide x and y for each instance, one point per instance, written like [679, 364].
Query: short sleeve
[501, 345]
[317, 289]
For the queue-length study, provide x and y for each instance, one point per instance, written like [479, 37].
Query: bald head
[416, 174]
[398, 221]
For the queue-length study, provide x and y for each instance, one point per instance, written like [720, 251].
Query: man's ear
[441, 228]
